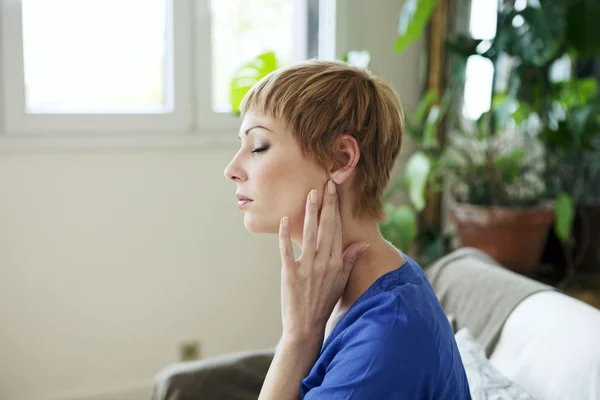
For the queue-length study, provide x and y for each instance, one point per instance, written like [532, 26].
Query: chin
[259, 225]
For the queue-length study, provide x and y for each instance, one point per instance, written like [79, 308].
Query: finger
[336, 249]
[327, 224]
[285, 243]
[309, 234]
[351, 255]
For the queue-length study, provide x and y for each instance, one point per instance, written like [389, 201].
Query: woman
[360, 320]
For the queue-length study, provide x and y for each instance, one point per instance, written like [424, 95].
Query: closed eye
[260, 149]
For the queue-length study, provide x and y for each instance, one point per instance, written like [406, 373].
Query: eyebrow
[254, 127]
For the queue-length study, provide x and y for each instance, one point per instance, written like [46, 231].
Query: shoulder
[381, 354]
[387, 323]
[396, 343]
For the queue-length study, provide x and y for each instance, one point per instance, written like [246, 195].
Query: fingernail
[313, 196]
[285, 222]
[366, 246]
[331, 187]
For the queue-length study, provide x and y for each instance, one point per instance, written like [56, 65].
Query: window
[96, 70]
[136, 67]
[479, 76]
[242, 29]
[480, 70]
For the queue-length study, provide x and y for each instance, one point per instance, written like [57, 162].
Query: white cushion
[550, 345]
[485, 382]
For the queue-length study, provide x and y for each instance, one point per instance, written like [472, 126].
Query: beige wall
[110, 258]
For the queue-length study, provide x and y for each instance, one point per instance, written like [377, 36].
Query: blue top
[395, 342]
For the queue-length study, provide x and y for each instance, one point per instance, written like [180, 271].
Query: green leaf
[403, 226]
[578, 120]
[587, 89]
[501, 103]
[510, 165]
[535, 34]
[583, 29]
[414, 130]
[499, 99]
[560, 137]
[428, 99]
[590, 135]
[522, 112]
[416, 173]
[414, 17]
[430, 129]
[463, 45]
[434, 250]
[576, 92]
[543, 31]
[564, 212]
[248, 75]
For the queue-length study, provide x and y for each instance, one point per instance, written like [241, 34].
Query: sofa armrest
[236, 376]
[479, 293]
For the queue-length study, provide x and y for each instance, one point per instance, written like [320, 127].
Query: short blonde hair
[320, 101]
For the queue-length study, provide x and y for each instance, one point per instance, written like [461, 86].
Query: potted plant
[562, 110]
[531, 39]
[498, 193]
[573, 153]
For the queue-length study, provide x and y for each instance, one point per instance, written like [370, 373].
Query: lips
[241, 197]
[243, 200]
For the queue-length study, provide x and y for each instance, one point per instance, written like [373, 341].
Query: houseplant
[421, 175]
[497, 185]
[573, 148]
[248, 74]
[563, 112]
[532, 39]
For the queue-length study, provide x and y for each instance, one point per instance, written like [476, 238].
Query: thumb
[351, 254]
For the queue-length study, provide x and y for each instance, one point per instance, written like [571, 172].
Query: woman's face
[270, 170]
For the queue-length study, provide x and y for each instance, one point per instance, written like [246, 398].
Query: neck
[380, 258]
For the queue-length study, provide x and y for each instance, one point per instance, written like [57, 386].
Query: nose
[234, 172]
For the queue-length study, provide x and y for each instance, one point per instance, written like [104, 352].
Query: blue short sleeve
[380, 359]
[395, 342]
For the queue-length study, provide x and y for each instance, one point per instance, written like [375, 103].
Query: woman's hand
[310, 288]
[312, 284]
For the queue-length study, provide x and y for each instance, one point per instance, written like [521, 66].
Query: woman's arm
[292, 362]
[310, 287]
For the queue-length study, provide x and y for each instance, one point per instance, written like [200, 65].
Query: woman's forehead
[254, 119]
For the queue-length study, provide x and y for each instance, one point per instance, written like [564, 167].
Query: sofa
[534, 336]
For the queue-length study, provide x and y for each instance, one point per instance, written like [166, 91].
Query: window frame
[205, 118]
[18, 122]
[192, 120]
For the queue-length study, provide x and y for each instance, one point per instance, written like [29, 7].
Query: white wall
[109, 258]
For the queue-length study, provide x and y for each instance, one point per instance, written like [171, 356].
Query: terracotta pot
[514, 237]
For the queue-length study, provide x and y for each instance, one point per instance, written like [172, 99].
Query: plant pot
[514, 237]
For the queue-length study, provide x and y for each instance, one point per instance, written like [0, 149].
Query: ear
[346, 154]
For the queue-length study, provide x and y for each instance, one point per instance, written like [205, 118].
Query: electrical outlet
[189, 351]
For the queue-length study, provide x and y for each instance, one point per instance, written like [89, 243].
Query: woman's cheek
[294, 209]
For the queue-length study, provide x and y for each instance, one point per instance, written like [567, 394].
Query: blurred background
[121, 247]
